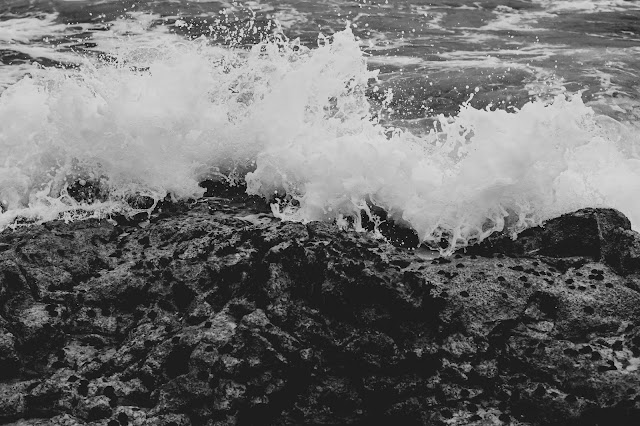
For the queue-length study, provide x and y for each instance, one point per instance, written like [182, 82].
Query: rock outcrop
[603, 235]
[217, 314]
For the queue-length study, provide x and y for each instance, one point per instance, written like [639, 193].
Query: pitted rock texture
[217, 314]
[598, 234]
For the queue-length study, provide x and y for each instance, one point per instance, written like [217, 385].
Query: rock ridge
[215, 313]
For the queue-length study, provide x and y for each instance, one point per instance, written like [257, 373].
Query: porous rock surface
[217, 314]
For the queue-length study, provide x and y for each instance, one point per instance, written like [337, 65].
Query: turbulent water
[457, 118]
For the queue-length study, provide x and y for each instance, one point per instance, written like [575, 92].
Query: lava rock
[217, 314]
[598, 234]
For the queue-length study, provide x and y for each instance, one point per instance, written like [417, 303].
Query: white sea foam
[296, 123]
[588, 5]
[25, 29]
[396, 60]
[43, 37]
[509, 19]
[28, 35]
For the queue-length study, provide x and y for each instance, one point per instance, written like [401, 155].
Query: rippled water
[458, 118]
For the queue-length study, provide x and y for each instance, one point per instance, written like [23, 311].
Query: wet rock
[9, 359]
[94, 408]
[215, 314]
[598, 234]
[87, 191]
[12, 400]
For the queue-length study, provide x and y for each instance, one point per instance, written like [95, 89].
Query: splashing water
[296, 124]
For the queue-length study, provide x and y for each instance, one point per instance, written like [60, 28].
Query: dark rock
[13, 401]
[87, 191]
[217, 314]
[9, 358]
[597, 234]
[94, 408]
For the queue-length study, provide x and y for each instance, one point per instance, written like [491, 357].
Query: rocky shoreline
[215, 313]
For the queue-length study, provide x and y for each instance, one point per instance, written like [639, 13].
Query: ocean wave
[296, 125]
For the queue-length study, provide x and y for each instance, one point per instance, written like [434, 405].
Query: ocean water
[457, 118]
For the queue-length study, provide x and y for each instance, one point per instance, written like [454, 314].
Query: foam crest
[295, 124]
[481, 172]
[154, 122]
[24, 29]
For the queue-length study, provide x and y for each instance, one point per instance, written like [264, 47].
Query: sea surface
[457, 118]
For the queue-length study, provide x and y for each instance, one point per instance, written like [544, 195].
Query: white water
[296, 123]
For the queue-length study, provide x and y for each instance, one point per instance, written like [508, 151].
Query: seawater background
[457, 118]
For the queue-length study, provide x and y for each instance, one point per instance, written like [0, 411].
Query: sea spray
[296, 124]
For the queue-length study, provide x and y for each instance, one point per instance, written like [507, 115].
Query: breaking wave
[297, 126]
